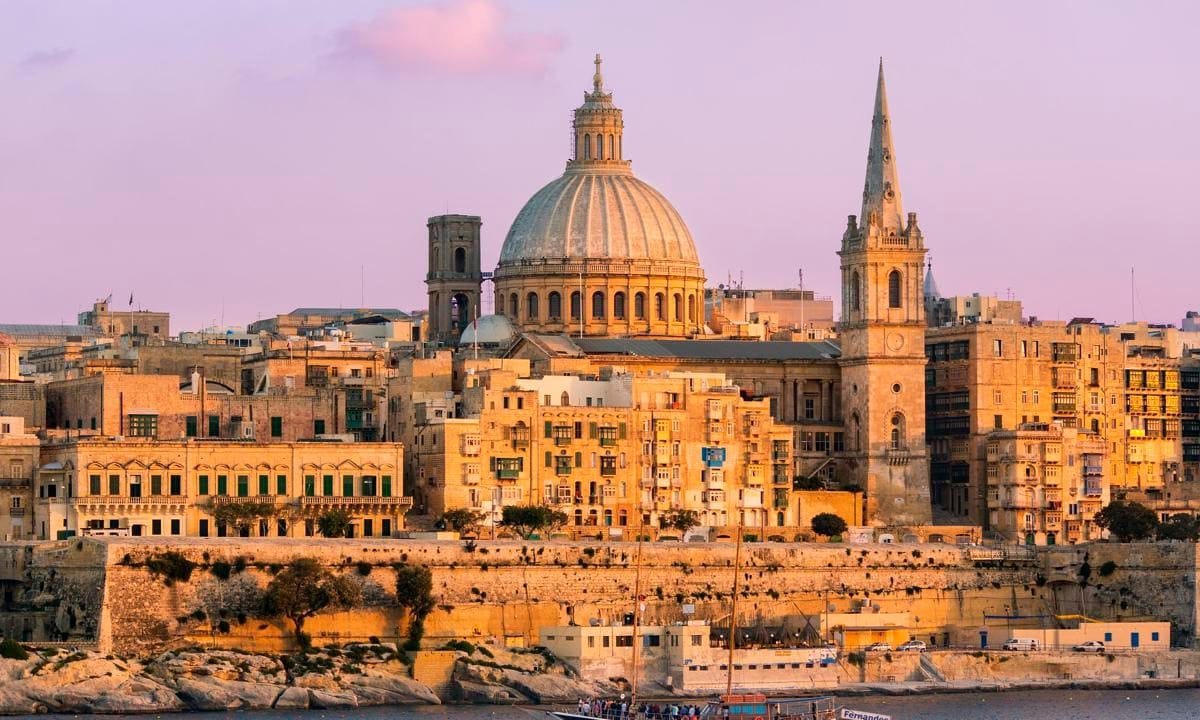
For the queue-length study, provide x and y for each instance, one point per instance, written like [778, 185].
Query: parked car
[1089, 646]
[1025, 644]
[913, 646]
[879, 647]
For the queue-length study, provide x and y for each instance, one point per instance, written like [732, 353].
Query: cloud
[462, 37]
[45, 59]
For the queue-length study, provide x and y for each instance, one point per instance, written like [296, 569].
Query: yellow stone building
[152, 487]
[1045, 484]
[18, 462]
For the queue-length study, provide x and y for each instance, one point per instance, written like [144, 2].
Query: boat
[760, 707]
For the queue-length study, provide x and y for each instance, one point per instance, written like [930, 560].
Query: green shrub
[12, 650]
[1108, 568]
[172, 566]
[221, 569]
[364, 568]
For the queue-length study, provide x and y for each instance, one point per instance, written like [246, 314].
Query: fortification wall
[507, 590]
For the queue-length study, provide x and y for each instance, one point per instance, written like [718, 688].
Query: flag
[130, 299]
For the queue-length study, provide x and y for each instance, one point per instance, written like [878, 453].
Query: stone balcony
[357, 502]
[217, 500]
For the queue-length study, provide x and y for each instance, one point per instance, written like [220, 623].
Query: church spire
[881, 192]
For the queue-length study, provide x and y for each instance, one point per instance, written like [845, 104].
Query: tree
[528, 519]
[414, 591]
[462, 519]
[241, 515]
[1180, 526]
[681, 520]
[828, 524]
[303, 589]
[334, 523]
[1127, 521]
[807, 483]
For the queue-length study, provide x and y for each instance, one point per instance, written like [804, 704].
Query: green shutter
[310, 485]
[243, 485]
[276, 427]
[592, 432]
[176, 484]
[318, 427]
[281, 485]
[327, 485]
[190, 423]
[621, 431]
[214, 426]
[222, 485]
[549, 429]
[156, 484]
[264, 484]
[347, 486]
[386, 490]
[202, 485]
[94, 485]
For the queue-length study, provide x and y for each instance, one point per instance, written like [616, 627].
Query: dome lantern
[598, 127]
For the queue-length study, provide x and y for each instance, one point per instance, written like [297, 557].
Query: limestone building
[455, 277]
[1045, 484]
[18, 462]
[141, 324]
[139, 486]
[882, 334]
[598, 251]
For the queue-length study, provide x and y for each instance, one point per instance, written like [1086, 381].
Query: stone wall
[507, 590]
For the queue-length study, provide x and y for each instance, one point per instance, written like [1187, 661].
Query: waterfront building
[143, 486]
[18, 462]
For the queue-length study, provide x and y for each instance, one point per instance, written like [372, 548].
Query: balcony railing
[356, 501]
[126, 500]
[256, 499]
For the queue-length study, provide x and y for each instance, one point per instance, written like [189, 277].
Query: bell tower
[882, 333]
[454, 279]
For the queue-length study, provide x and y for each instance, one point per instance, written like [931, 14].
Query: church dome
[488, 330]
[596, 212]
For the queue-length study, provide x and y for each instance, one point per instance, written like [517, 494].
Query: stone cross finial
[598, 79]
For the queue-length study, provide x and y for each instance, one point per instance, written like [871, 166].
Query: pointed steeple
[931, 288]
[881, 192]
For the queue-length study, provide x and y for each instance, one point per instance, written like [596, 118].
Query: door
[983, 639]
[1134, 640]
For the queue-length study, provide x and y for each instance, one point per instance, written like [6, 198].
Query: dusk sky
[225, 161]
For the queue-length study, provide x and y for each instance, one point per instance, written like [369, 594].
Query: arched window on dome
[531, 306]
[513, 307]
[894, 289]
[678, 302]
[555, 309]
[660, 306]
[619, 305]
[576, 301]
[855, 291]
[692, 309]
[639, 306]
[599, 147]
[597, 305]
[499, 303]
[587, 147]
[460, 260]
[612, 149]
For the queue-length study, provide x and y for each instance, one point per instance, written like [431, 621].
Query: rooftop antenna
[1132, 285]
[803, 334]
[362, 286]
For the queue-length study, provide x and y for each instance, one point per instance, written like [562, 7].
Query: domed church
[596, 251]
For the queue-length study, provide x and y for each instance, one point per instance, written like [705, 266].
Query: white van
[1026, 644]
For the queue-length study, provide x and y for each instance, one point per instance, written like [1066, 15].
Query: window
[368, 485]
[202, 485]
[114, 484]
[660, 306]
[214, 426]
[310, 485]
[677, 306]
[554, 307]
[191, 423]
[894, 289]
[575, 305]
[281, 485]
[460, 260]
[175, 526]
[619, 306]
[276, 426]
[855, 291]
[639, 306]
[243, 485]
[327, 485]
[318, 427]
[156, 527]
[264, 485]
[156, 484]
[899, 440]
[143, 426]
[176, 485]
[347, 486]
[385, 488]
[93, 485]
[597, 305]
[531, 306]
[203, 528]
[997, 348]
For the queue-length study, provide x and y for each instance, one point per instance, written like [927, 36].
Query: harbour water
[1023, 705]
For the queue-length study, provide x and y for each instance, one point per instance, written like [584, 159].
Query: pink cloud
[460, 37]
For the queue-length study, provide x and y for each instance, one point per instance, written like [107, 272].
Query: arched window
[612, 149]
[555, 308]
[639, 306]
[531, 306]
[587, 147]
[894, 289]
[599, 147]
[855, 291]
[575, 302]
[499, 304]
[460, 260]
[857, 430]
[434, 258]
[899, 440]
[660, 306]
[608, 517]
[513, 306]
[619, 305]
[678, 303]
[565, 400]
[622, 517]
[691, 308]
[779, 519]
[597, 305]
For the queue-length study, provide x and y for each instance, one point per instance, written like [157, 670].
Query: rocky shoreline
[62, 681]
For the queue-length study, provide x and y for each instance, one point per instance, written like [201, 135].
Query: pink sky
[233, 160]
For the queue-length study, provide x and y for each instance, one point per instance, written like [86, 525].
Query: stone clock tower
[883, 340]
